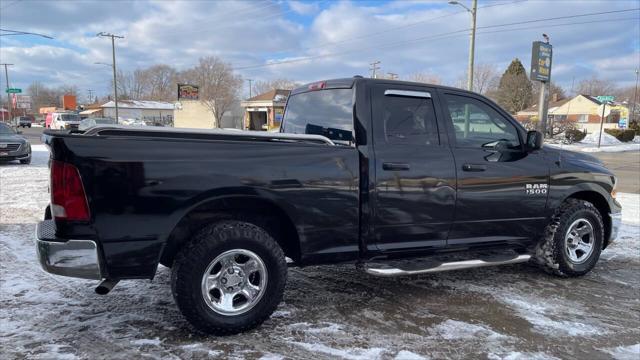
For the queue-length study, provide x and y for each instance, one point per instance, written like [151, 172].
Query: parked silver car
[13, 146]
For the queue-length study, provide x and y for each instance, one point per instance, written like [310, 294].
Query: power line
[16, 32]
[430, 37]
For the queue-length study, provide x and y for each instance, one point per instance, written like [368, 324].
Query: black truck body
[366, 189]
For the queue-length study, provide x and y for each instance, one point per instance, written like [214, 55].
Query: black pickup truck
[395, 177]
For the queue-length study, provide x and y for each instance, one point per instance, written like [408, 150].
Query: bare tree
[485, 79]
[595, 87]
[425, 78]
[260, 87]
[162, 81]
[219, 86]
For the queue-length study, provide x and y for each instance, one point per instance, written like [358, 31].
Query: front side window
[478, 125]
[323, 112]
[405, 117]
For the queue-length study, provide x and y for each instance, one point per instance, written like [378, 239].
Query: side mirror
[534, 140]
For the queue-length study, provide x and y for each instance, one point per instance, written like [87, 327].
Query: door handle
[395, 166]
[473, 167]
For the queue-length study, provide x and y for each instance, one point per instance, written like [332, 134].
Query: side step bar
[447, 266]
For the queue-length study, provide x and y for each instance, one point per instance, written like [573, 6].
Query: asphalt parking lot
[510, 312]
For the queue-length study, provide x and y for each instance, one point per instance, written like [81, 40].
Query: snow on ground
[608, 143]
[510, 312]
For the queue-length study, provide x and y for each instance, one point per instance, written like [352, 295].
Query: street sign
[607, 98]
[13, 91]
[541, 61]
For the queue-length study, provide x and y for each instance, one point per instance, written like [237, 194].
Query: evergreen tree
[515, 89]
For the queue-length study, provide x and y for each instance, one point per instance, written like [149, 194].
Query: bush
[634, 125]
[624, 135]
[574, 135]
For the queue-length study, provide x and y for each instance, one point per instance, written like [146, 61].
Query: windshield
[325, 112]
[6, 130]
[70, 117]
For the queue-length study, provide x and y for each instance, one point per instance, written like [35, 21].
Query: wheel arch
[600, 202]
[250, 208]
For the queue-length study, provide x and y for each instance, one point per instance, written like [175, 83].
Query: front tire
[26, 161]
[573, 240]
[230, 278]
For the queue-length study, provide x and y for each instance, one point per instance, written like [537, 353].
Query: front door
[414, 193]
[502, 189]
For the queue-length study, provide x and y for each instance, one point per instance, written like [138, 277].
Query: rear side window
[405, 117]
[324, 112]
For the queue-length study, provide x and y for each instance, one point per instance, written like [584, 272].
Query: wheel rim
[579, 241]
[234, 282]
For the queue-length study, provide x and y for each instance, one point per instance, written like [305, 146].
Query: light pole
[9, 104]
[472, 38]
[113, 54]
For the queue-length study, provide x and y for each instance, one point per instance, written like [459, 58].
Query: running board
[387, 271]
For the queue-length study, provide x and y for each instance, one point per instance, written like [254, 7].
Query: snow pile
[606, 139]
[636, 139]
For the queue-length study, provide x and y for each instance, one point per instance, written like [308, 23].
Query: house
[152, 112]
[584, 110]
[265, 111]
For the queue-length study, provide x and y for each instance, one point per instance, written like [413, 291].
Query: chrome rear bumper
[74, 258]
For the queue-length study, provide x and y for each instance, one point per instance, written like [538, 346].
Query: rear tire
[213, 268]
[572, 241]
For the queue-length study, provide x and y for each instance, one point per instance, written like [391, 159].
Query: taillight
[68, 200]
[317, 86]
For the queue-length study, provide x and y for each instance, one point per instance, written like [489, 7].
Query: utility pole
[113, 54]
[374, 67]
[250, 81]
[393, 76]
[635, 101]
[472, 39]
[90, 96]
[9, 104]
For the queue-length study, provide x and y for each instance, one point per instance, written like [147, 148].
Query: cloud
[332, 39]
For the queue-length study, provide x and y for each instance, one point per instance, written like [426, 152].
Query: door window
[405, 117]
[476, 124]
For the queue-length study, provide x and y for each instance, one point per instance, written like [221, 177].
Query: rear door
[414, 193]
[502, 189]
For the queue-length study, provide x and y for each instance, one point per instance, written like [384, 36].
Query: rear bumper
[74, 258]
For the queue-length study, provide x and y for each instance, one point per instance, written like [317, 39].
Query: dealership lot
[328, 312]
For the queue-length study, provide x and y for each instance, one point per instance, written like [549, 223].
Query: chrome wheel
[234, 282]
[579, 241]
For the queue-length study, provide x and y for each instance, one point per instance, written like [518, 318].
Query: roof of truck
[343, 83]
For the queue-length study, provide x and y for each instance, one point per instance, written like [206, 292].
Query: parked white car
[65, 121]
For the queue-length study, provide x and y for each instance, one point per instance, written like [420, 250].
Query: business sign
[187, 92]
[13, 91]
[22, 101]
[607, 98]
[541, 61]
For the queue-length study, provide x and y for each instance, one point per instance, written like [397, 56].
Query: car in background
[13, 146]
[23, 121]
[64, 121]
[91, 122]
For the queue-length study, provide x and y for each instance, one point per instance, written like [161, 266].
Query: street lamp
[472, 41]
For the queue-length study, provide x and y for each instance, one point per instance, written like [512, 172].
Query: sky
[313, 40]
